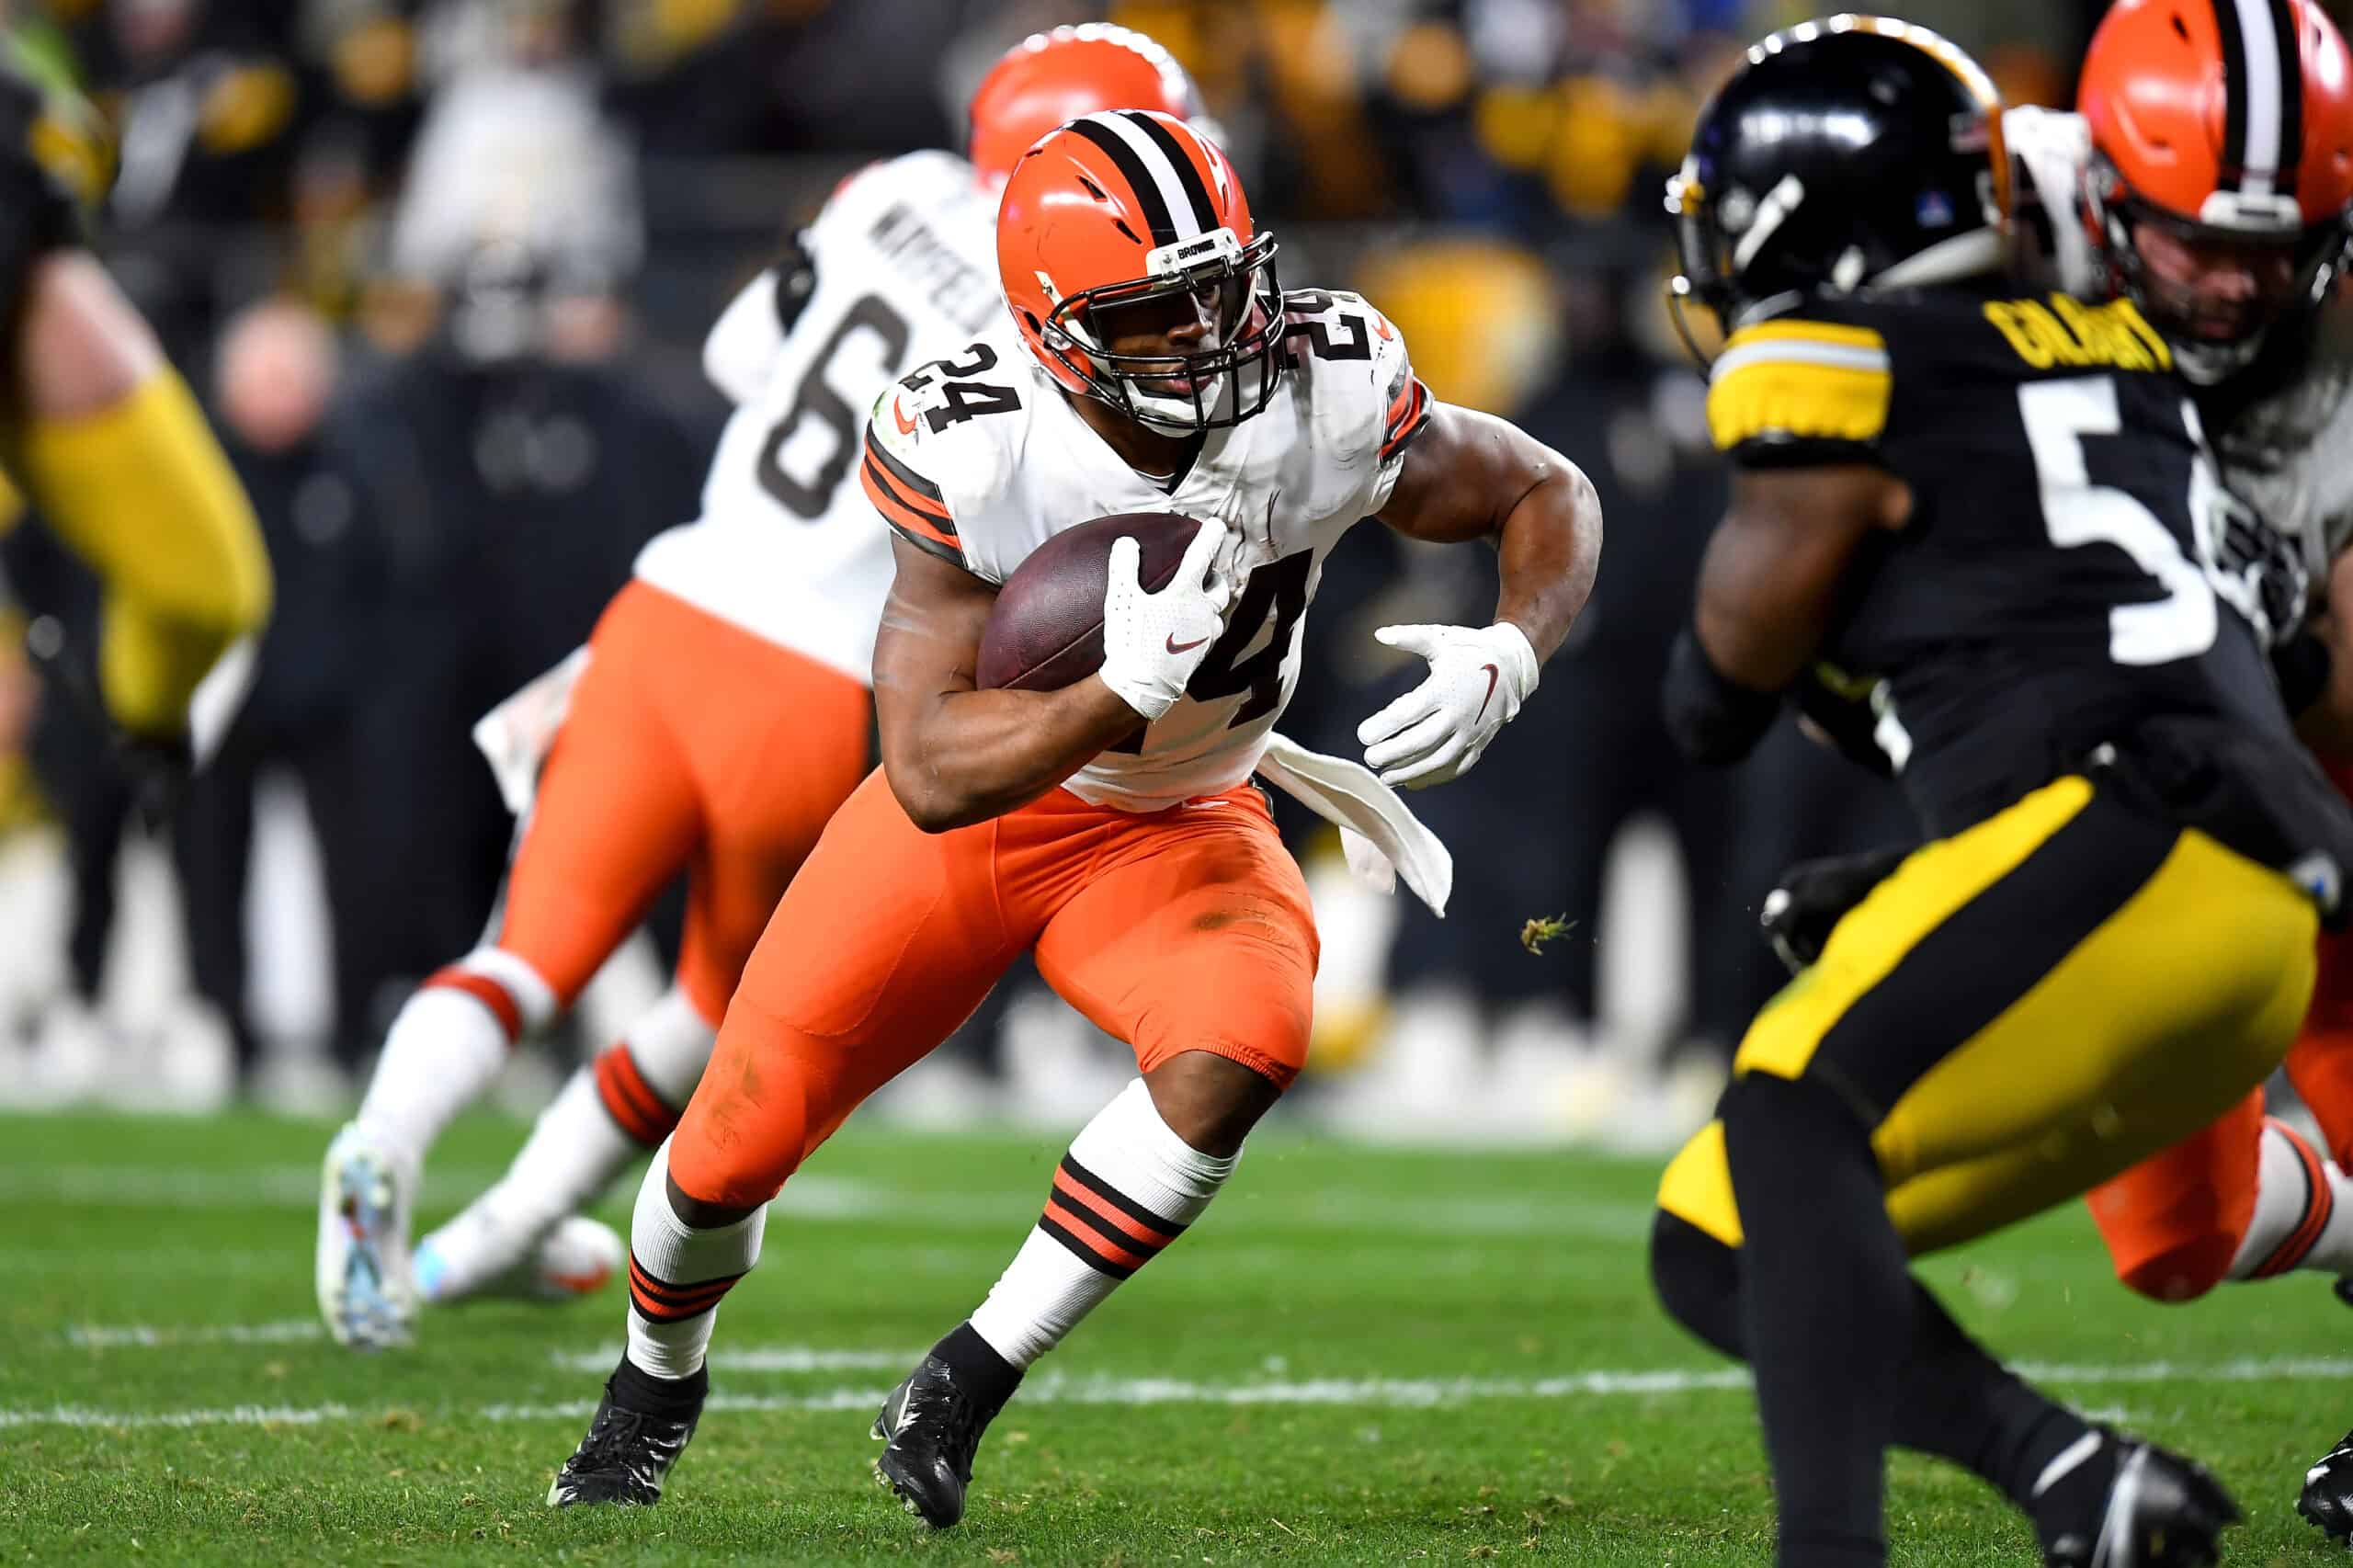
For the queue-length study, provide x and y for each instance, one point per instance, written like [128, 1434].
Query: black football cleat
[2159, 1510]
[932, 1425]
[628, 1451]
[2326, 1502]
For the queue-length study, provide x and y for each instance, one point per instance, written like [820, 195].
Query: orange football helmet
[1052, 78]
[2222, 171]
[1126, 206]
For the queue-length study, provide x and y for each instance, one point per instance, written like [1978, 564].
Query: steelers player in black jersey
[104, 438]
[1996, 514]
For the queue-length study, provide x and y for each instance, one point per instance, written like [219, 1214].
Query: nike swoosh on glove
[1153, 642]
[1478, 676]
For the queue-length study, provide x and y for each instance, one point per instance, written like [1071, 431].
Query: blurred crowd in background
[444, 267]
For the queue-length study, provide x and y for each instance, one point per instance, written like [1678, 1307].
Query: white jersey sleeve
[899, 267]
[1323, 329]
[2049, 152]
[749, 335]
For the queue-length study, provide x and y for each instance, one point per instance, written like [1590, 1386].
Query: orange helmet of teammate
[1052, 78]
[1121, 218]
[2222, 171]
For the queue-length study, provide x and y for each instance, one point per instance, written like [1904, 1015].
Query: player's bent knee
[1698, 1280]
[1789, 1141]
[723, 1174]
[1797, 1107]
[697, 1214]
[766, 1101]
[2182, 1269]
[1210, 1100]
[1247, 1035]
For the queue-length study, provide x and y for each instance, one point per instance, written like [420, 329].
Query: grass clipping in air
[1544, 929]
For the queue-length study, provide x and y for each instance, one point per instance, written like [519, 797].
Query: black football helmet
[1848, 151]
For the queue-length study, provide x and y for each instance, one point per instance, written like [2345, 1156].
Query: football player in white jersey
[1152, 364]
[716, 719]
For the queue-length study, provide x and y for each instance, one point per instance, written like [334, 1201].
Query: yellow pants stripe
[1920, 895]
[2152, 1024]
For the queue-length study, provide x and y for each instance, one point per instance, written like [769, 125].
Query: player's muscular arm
[955, 755]
[1769, 586]
[1468, 475]
[108, 442]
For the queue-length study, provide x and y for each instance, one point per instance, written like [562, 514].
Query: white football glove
[1153, 642]
[1478, 680]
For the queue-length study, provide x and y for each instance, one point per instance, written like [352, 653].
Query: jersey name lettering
[961, 293]
[2068, 331]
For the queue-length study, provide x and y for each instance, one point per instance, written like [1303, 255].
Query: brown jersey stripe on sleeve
[906, 479]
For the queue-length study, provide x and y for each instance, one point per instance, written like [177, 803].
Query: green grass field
[1357, 1356]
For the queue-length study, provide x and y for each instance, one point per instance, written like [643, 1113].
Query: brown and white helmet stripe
[2263, 135]
[1169, 189]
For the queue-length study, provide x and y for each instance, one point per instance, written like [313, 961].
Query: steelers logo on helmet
[2222, 171]
[1848, 153]
[1136, 276]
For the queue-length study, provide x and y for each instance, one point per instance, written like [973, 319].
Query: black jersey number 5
[882, 330]
[2077, 511]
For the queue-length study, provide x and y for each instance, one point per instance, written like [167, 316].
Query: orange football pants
[691, 745]
[2174, 1222]
[1186, 929]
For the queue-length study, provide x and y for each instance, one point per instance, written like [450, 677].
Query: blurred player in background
[106, 440]
[1109, 826]
[2002, 514]
[717, 718]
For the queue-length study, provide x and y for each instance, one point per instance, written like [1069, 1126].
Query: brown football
[1047, 628]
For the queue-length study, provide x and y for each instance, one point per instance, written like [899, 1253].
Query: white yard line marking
[152, 1337]
[227, 1415]
[1393, 1393]
[821, 1199]
[757, 1358]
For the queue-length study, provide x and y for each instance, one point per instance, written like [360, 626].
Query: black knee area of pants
[695, 1214]
[1697, 1281]
[1812, 1128]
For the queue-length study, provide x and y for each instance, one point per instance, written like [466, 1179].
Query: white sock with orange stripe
[679, 1275]
[2304, 1210]
[1127, 1187]
[607, 1114]
[447, 1046]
